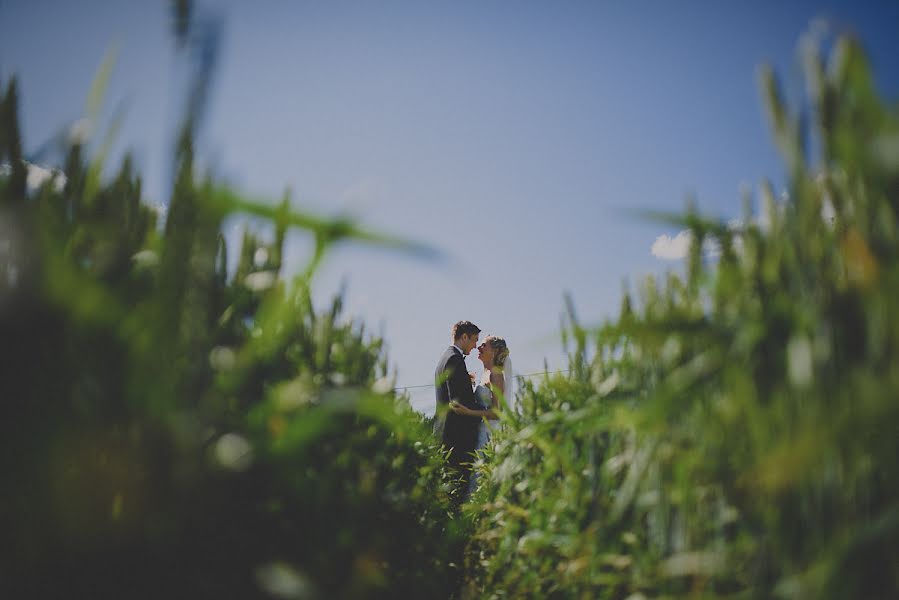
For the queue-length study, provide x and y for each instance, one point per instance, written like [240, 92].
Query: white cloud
[678, 247]
[672, 248]
[37, 176]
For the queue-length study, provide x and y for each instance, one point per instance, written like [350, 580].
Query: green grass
[733, 433]
[175, 430]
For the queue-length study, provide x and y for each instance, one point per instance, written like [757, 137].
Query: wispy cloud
[667, 247]
[37, 176]
[672, 248]
[677, 247]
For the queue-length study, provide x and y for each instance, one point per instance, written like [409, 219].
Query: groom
[459, 433]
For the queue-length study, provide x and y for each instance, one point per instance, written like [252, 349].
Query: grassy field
[173, 429]
[734, 433]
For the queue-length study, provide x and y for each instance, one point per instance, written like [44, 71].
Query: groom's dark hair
[463, 327]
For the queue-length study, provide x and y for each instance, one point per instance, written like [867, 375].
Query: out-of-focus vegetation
[173, 431]
[735, 432]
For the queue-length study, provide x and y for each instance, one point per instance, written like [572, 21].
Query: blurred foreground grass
[173, 431]
[735, 432]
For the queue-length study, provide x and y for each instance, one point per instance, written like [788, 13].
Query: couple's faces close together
[485, 350]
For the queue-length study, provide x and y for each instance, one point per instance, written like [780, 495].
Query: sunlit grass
[733, 432]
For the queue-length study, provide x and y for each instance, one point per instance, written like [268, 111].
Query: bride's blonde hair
[500, 350]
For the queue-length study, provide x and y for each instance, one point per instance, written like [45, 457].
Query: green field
[175, 430]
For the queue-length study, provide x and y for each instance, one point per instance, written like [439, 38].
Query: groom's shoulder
[449, 355]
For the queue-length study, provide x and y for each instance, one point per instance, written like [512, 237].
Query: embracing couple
[464, 412]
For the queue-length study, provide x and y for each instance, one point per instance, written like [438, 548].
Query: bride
[495, 386]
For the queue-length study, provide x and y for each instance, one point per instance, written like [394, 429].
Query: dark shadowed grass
[174, 430]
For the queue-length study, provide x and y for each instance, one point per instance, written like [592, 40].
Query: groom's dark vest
[452, 382]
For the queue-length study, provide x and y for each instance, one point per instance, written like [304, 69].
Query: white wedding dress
[484, 396]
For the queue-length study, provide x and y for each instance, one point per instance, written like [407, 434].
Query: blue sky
[515, 137]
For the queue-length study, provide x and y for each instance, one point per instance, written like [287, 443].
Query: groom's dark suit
[458, 432]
